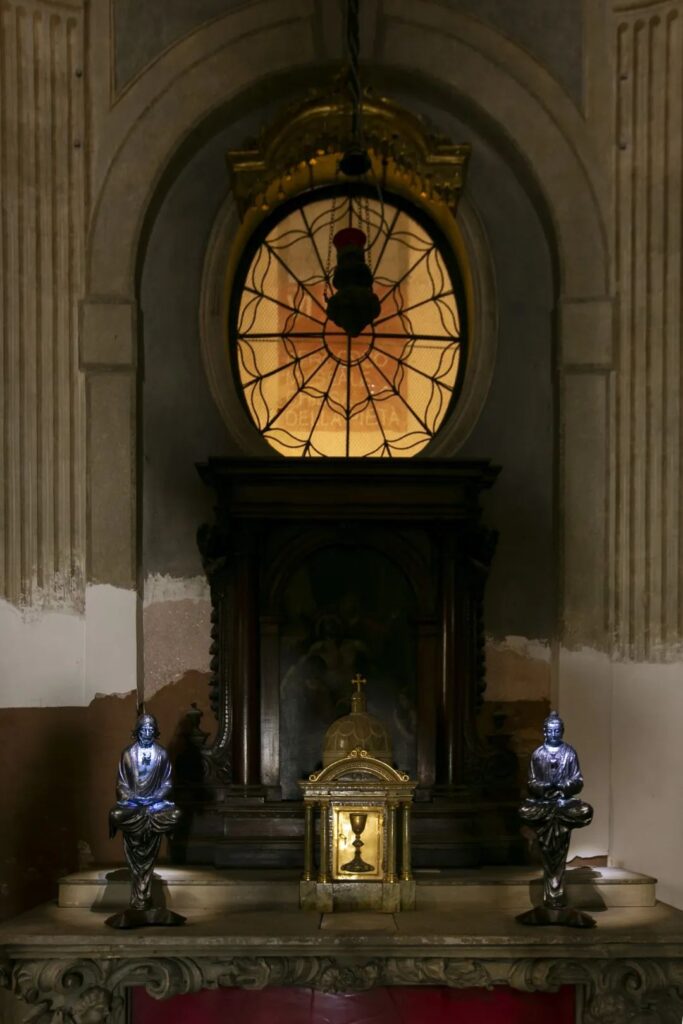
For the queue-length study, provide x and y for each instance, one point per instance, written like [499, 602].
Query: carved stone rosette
[92, 991]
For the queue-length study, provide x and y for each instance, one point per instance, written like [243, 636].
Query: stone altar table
[630, 968]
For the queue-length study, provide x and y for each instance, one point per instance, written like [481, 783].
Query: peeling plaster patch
[111, 641]
[42, 657]
[160, 588]
[65, 592]
[177, 629]
[660, 654]
[517, 669]
[120, 696]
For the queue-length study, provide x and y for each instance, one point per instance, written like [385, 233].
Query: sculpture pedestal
[570, 917]
[132, 918]
[380, 897]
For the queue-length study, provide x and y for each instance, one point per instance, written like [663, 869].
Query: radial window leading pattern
[311, 389]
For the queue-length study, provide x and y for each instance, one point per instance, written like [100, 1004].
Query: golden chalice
[357, 865]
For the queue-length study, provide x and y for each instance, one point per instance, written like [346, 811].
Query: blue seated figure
[553, 810]
[143, 813]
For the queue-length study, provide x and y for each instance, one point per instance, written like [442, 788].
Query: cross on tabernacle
[358, 682]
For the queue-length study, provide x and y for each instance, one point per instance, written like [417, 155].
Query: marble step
[494, 888]
[522, 887]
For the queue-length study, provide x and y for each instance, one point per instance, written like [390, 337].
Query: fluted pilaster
[41, 258]
[648, 188]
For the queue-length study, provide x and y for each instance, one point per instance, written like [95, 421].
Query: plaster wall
[59, 765]
[42, 657]
[550, 30]
[181, 424]
[517, 669]
[52, 657]
[624, 717]
[64, 658]
[646, 772]
[584, 698]
[176, 628]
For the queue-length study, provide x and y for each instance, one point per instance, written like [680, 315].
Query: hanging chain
[365, 210]
[353, 48]
[328, 259]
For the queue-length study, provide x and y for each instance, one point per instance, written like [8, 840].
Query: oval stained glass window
[310, 389]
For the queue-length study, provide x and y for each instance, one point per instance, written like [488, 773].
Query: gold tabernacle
[358, 796]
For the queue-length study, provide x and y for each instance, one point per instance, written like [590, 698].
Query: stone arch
[482, 69]
[201, 79]
[520, 104]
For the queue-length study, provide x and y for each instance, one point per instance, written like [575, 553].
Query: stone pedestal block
[380, 897]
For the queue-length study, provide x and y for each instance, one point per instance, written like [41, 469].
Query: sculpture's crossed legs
[142, 827]
[553, 821]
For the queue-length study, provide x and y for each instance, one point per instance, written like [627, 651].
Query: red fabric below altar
[378, 1006]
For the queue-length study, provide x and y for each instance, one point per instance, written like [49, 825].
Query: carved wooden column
[448, 745]
[309, 841]
[245, 665]
[391, 842]
[406, 871]
[428, 654]
[324, 866]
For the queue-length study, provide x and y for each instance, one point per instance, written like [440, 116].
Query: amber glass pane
[311, 389]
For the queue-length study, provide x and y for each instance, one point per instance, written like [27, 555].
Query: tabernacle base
[380, 897]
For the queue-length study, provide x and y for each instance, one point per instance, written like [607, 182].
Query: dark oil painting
[345, 610]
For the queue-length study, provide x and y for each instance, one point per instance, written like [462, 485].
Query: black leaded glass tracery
[312, 390]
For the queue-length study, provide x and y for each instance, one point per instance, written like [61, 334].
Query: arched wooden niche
[320, 571]
[347, 608]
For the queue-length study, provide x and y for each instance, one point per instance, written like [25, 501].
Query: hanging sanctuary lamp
[353, 306]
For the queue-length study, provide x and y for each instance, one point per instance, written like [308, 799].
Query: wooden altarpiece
[320, 568]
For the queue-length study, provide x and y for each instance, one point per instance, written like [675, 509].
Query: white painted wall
[584, 689]
[624, 718]
[111, 641]
[42, 657]
[65, 658]
[647, 773]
